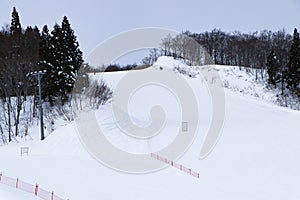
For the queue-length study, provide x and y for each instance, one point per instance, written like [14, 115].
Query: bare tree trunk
[17, 120]
[9, 118]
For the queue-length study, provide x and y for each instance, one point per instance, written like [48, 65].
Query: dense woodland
[24, 51]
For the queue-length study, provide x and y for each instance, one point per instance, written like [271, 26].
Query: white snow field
[257, 156]
[10, 193]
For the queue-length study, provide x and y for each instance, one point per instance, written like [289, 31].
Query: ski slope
[9, 193]
[257, 156]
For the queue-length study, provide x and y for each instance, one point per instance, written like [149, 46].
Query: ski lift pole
[38, 75]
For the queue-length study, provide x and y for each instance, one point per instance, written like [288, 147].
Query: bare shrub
[98, 94]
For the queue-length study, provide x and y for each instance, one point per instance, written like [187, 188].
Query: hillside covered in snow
[256, 156]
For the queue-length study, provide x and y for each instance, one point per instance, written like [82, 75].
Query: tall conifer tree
[64, 61]
[15, 22]
[293, 79]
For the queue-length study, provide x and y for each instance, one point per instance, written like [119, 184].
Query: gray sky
[96, 20]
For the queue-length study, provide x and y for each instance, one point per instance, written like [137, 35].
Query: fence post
[36, 190]
[190, 171]
[0, 176]
[17, 183]
[52, 195]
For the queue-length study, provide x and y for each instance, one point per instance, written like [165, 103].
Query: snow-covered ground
[257, 156]
[10, 193]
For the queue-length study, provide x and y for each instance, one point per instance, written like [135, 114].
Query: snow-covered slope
[8, 193]
[235, 79]
[257, 156]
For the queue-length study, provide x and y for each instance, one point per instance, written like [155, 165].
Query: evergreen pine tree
[273, 68]
[45, 62]
[65, 59]
[16, 34]
[31, 42]
[54, 64]
[44, 51]
[72, 55]
[15, 22]
[293, 73]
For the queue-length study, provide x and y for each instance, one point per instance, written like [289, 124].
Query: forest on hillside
[26, 52]
[270, 56]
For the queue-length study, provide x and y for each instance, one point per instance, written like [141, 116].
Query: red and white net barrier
[27, 187]
[176, 165]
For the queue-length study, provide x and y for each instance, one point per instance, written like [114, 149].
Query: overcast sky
[96, 20]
